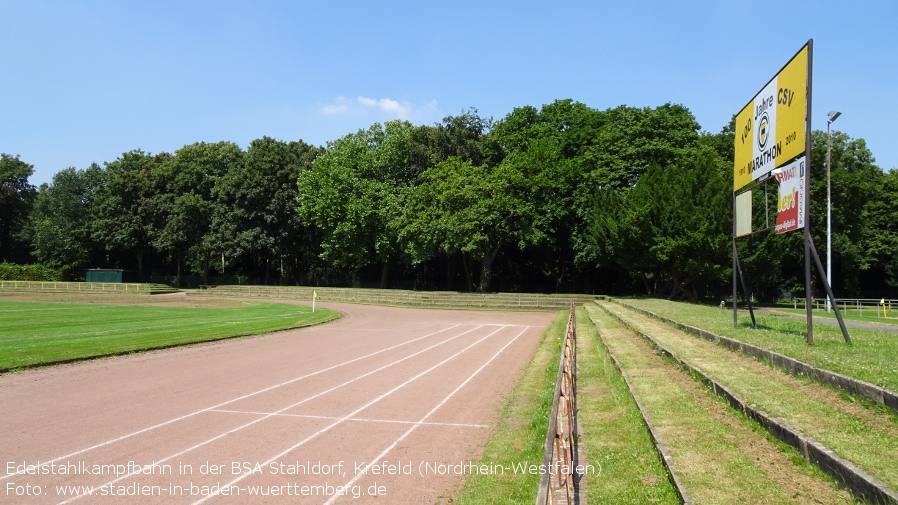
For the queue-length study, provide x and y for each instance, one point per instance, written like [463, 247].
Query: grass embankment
[404, 298]
[34, 333]
[872, 357]
[614, 433]
[614, 442]
[717, 457]
[866, 437]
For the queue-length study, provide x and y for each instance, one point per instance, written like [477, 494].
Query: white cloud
[335, 108]
[394, 109]
[339, 107]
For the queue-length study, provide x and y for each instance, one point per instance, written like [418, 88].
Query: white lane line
[421, 422]
[288, 407]
[354, 419]
[348, 416]
[186, 416]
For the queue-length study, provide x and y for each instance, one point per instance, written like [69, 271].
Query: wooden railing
[558, 479]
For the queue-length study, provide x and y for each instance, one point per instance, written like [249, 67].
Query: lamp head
[832, 116]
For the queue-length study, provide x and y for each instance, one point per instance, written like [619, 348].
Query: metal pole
[746, 291]
[829, 230]
[830, 294]
[735, 317]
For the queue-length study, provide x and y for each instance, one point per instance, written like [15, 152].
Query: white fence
[859, 306]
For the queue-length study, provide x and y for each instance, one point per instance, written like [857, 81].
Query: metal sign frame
[809, 250]
[771, 128]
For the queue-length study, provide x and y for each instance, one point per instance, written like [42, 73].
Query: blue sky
[85, 81]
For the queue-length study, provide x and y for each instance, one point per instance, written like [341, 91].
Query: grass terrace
[404, 298]
[872, 357]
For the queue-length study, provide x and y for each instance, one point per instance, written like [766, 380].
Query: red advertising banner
[790, 207]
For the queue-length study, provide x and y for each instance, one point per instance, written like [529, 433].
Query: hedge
[13, 272]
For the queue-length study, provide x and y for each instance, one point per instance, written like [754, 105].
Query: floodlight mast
[830, 117]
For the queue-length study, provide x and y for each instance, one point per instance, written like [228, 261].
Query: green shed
[104, 275]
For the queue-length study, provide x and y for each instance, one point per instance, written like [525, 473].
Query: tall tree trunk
[677, 287]
[486, 269]
[178, 269]
[140, 266]
[206, 255]
[385, 274]
[450, 272]
[5, 235]
[420, 271]
[466, 263]
[560, 279]
[486, 273]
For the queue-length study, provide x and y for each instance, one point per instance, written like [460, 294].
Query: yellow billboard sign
[771, 129]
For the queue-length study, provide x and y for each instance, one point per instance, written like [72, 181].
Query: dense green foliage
[560, 198]
[61, 221]
[37, 272]
[16, 199]
[355, 193]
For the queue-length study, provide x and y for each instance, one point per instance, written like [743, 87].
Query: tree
[856, 181]
[16, 201]
[670, 228]
[629, 140]
[460, 207]
[61, 221]
[561, 196]
[124, 222]
[882, 219]
[184, 204]
[355, 193]
[545, 151]
[256, 217]
[463, 137]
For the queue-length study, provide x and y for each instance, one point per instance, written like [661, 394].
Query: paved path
[832, 321]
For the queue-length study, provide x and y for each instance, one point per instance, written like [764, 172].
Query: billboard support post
[829, 292]
[735, 295]
[745, 289]
[807, 201]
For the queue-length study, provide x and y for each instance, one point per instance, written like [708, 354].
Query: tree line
[561, 198]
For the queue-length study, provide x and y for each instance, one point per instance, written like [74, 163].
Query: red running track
[383, 406]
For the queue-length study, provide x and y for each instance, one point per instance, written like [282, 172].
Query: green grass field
[871, 356]
[32, 333]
